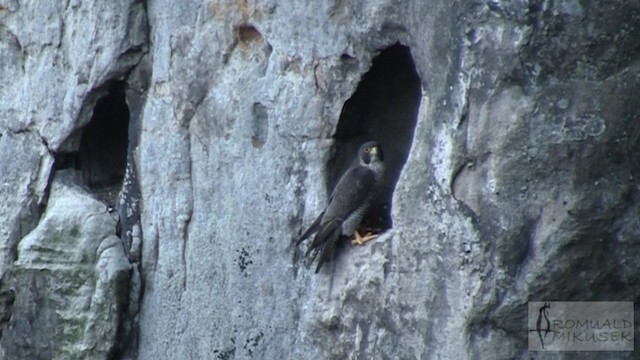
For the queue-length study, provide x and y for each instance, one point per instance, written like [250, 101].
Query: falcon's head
[369, 153]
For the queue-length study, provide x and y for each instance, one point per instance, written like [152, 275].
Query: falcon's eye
[367, 150]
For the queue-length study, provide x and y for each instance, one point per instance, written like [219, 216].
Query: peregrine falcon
[348, 203]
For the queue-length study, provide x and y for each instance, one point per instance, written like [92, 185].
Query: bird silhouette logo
[543, 324]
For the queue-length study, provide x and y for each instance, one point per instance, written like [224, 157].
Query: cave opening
[383, 108]
[101, 157]
[97, 153]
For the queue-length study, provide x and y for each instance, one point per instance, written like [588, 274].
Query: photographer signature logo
[543, 324]
[581, 326]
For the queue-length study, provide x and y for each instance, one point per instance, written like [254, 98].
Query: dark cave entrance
[384, 108]
[103, 146]
[101, 155]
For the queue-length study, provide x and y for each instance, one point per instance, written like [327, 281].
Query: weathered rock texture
[62, 267]
[216, 130]
[70, 279]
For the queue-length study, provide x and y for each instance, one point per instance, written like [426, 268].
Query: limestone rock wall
[511, 128]
[70, 280]
[65, 280]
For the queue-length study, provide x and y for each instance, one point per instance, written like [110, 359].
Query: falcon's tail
[326, 241]
[313, 228]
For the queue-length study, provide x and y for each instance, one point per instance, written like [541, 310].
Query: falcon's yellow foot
[359, 240]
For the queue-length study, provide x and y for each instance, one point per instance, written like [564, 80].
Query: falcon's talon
[360, 240]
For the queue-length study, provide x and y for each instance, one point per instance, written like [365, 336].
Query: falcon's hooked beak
[370, 151]
[376, 152]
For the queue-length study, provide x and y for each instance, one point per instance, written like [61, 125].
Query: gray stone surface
[71, 281]
[56, 60]
[520, 181]
[53, 70]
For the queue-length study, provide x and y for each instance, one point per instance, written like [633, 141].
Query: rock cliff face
[159, 158]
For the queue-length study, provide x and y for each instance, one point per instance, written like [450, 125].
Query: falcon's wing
[350, 193]
[352, 190]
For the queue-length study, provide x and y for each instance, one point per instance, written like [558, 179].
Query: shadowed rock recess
[103, 146]
[383, 108]
[216, 131]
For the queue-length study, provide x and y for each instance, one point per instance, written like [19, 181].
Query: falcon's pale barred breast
[348, 203]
